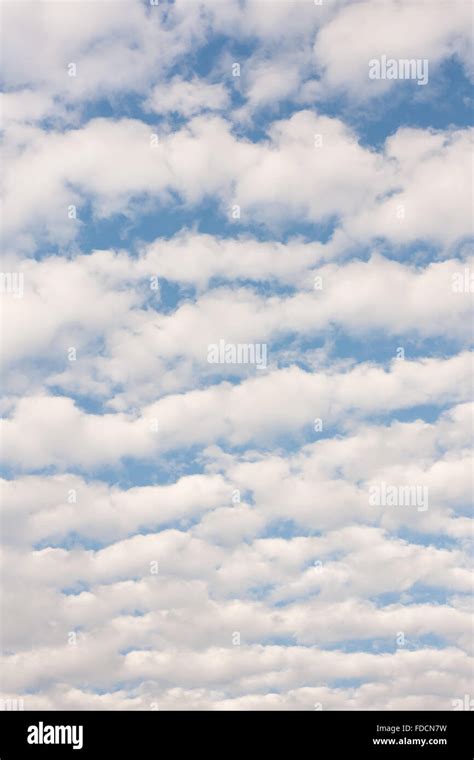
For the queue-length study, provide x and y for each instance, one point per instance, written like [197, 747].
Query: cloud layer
[179, 534]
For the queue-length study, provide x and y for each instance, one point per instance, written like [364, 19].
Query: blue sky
[198, 535]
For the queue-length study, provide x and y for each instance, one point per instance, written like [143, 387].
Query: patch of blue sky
[345, 683]
[416, 253]
[165, 467]
[260, 592]
[461, 248]
[127, 105]
[236, 374]
[129, 685]
[126, 650]
[297, 598]
[11, 472]
[428, 413]
[277, 641]
[70, 541]
[75, 540]
[77, 589]
[289, 340]
[149, 218]
[426, 537]
[146, 220]
[352, 644]
[162, 468]
[265, 286]
[311, 433]
[427, 641]
[286, 528]
[386, 645]
[8, 472]
[170, 295]
[417, 593]
[373, 345]
[422, 253]
[91, 404]
[30, 691]
[182, 524]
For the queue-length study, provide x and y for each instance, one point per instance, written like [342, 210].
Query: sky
[236, 294]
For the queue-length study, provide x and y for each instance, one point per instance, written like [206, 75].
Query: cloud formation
[188, 535]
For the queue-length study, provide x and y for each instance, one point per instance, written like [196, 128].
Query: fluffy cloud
[42, 430]
[434, 31]
[310, 169]
[188, 97]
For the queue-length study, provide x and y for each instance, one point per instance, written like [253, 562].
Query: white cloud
[188, 98]
[51, 430]
[403, 29]
[285, 178]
